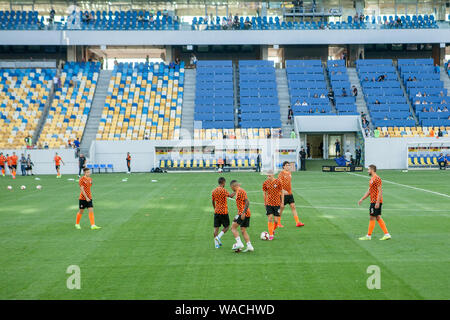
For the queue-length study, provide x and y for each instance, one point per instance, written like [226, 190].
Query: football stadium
[315, 135]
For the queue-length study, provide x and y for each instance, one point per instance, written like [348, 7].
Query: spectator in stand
[355, 91]
[193, 61]
[437, 69]
[290, 115]
[440, 133]
[331, 96]
[297, 103]
[344, 92]
[304, 104]
[76, 144]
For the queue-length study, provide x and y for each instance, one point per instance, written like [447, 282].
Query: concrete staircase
[237, 94]
[283, 100]
[90, 131]
[41, 123]
[187, 113]
[445, 79]
[360, 102]
[328, 82]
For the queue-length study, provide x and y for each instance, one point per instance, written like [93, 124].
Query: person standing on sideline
[337, 145]
[128, 162]
[258, 163]
[358, 157]
[302, 160]
[81, 164]
[30, 165]
[23, 164]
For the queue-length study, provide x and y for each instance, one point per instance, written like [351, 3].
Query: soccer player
[220, 205]
[58, 161]
[129, 162]
[2, 163]
[376, 200]
[273, 199]
[85, 199]
[242, 219]
[13, 167]
[285, 177]
[81, 163]
[9, 163]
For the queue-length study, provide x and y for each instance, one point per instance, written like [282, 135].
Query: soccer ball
[23, 187]
[9, 188]
[264, 235]
[39, 187]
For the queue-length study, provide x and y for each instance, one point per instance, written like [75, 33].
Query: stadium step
[360, 102]
[445, 79]
[328, 82]
[187, 112]
[44, 115]
[405, 93]
[283, 101]
[95, 114]
[237, 96]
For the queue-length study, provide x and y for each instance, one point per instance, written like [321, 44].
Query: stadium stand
[214, 98]
[144, 101]
[425, 158]
[340, 83]
[426, 91]
[384, 96]
[71, 105]
[23, 95]
[121, 20]
[307, 87]
[20, 20]
[259, 107]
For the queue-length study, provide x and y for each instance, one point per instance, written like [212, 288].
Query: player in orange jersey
[2, 163]
[242, 219]
[273, 199]
[85, 199]
[285, 177]
[219, 202]
[13, 161]
[128, 162]
[376, 201]
[58, 160]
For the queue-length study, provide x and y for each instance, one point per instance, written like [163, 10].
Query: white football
[39, 187]
[264, 235]
[9, 188]
[23, 187]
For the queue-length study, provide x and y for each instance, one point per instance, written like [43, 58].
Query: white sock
[215, 242]
[220, 234]
[249, 244]
[238, 240]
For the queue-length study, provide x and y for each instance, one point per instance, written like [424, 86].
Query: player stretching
[2, 163]
[273, 199]
[376, 200]
[129, 162]
[220, 205]
[242, 219]
[285, 177]
[58, 161]
[13, 168]
[85, 200]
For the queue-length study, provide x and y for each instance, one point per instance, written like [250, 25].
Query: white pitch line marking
[405, 185]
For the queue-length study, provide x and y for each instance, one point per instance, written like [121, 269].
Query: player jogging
[220, 205]
[242, 219]
[273, 199]
[285, 177]
[2, 163]
[129, 162]
[85, 199]
[58, 161]
[13, 167]
[376, 201]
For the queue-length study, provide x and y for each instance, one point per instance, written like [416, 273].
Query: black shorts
[28, 168]
[373, 211]
[221, 220]
[275, 210]
[57, 167]
[83, 204]
[14, 166]
[288, 199]
[242, 223]
[2, 166]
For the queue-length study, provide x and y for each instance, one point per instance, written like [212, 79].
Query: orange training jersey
[128, 158]
[285, 177]
[2, 160]
[57, 160]
[14, 160]
[241, 196]
[86, 184]
[374, 183]
[219, 196]
[273, 189]
[9, 160]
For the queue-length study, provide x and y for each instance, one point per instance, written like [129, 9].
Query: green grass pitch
[156, 241]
